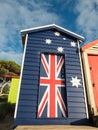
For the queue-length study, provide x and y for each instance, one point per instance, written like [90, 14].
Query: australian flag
[52, 91]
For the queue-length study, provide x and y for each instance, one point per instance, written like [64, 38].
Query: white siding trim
[83, 81]
[15, 114]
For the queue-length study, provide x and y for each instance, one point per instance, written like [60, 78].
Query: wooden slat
[76, 110]
[30, 92]
[28, 97]
[30, 86]
[79, 89]
[78, 115]
[31, 78]
[26, 114]
[72, 94]
[26, 82]
[27, 109]
[28, 103]
[75, 99]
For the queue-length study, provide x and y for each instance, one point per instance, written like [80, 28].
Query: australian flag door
[52, 88]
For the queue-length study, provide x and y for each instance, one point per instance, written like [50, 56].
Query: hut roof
[91, 46]
[51, 26]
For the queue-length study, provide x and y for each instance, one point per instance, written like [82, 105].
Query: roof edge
[86, 46]
[25, 31]
[36, 28]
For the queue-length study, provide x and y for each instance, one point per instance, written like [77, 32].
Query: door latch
[90, 68]
[93, 84]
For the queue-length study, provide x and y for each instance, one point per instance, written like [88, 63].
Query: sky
[78, 16]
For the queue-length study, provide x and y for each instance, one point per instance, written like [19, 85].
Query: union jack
[51, 95]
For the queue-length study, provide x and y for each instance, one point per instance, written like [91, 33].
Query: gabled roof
[52, 26]
[91, 46]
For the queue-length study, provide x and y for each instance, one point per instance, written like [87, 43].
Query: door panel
[93, 66]
[52, 89]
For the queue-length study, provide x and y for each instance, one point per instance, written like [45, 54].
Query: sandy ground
[57, 127]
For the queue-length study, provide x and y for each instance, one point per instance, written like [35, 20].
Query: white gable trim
[53, 26]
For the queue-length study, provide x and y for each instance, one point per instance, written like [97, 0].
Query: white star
[73, 44]
[57, 34]
[60, 49]
[64, 38]
[48, 41]
[75, 81]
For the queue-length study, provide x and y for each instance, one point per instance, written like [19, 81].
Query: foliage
[6, 89]
[8, 67]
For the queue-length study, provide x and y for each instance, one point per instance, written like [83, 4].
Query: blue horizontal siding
[26, 115]
[34, 44]
[80, 89]
[47, 34]
[70, 75]
[77, 115]
[76, 110]
[75, 104]
[27, 109]
[28, 103]
[34, 85]
[33, 64]
[31, 92]
[31, 73]
[28, 99]
[74, 94]
[73, 71]
[73, 67]
[29, 59]
[26, 82]
[28, 68]
[31, 78]
[76, 99]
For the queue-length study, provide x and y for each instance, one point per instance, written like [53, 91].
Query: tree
[7, 68]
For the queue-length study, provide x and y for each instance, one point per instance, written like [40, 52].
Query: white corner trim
[85, 95]
[16, 107]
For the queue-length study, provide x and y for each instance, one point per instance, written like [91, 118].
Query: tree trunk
[2, 87]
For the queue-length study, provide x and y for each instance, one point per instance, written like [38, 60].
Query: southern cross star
[73, 44]
[57, 34]
[48, 41]
[60, 49]
[64, 38]
[75, 81]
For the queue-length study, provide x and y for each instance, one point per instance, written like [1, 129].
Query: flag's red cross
[52, 94]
